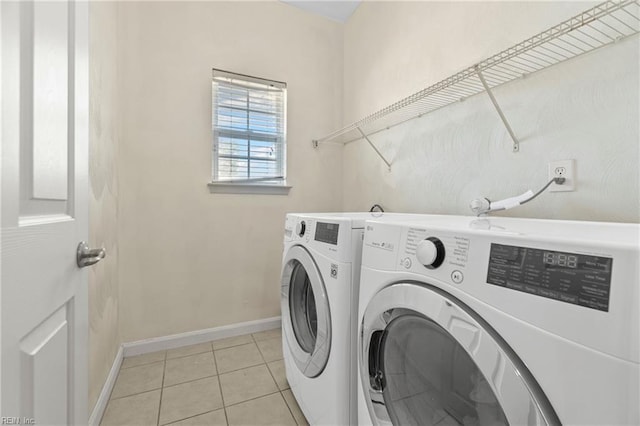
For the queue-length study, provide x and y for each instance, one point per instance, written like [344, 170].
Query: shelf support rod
[516, 144]
[374, 148]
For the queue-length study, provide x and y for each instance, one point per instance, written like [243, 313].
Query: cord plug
[559, 180]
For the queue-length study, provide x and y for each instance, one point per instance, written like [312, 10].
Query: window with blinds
[249, 122]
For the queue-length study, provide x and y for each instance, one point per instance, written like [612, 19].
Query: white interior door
[43, 299]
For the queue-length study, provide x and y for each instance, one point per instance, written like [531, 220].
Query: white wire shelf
[599, 26]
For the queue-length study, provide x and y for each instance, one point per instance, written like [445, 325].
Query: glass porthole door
[306, 317]
[427, 359]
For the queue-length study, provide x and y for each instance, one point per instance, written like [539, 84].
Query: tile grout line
[197, 378]
[237, 403]
[232, 346]
[236, 346]
[272, 376]
[162, 388]
[112, 398]
[250, 399]
[280, 392]
[136, 394]
[260, 350]
[255, 342]
[190, 381]
[262, 355]
[243, 368]
[254, 398]
[191, 417]
[215, 364]
[271, 373]
[185, 356]
[248, 366]
[288, 407]
[226, 418]
[139, 365]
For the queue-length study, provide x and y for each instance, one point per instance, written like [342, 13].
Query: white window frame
[275, 185]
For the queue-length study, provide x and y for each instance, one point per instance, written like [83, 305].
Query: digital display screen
[568, 277]
[560, 259]
[327, 233]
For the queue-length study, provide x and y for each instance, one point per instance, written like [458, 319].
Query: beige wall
[103, 194]
[586, 109]
[190, 259]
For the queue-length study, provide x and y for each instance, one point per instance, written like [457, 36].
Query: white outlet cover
[570, 175]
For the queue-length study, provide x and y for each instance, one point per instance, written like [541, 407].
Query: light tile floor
[234, 381]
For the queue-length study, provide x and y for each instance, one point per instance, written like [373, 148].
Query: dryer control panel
[439, 253]
[568, 277]
[450, 253]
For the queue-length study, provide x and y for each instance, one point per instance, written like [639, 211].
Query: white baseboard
[171, 342]
[105, 393]
[199, 336]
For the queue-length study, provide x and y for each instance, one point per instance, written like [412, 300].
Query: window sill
[247, 188]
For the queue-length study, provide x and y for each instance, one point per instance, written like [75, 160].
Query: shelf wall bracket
[374, 148]
[516, 143]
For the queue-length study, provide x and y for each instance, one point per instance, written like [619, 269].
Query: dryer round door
[306, 318]
[426, 358]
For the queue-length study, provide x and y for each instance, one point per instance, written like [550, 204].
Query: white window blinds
[249, 122]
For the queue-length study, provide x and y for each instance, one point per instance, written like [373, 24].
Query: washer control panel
[436, 250]
[329, 236]
[327, 232]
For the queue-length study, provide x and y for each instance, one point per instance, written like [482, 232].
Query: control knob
[430, 252]
[301, 227]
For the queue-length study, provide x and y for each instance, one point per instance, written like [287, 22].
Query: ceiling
[336, 10]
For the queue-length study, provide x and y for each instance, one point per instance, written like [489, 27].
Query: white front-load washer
[499, 321]
[320, 276]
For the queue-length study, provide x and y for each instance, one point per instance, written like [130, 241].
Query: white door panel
[43, 370]
[50, 99]
[45, 390]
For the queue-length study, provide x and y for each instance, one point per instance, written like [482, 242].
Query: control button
[301, 227]
[430, 252]
[406, 262]
[457, 277]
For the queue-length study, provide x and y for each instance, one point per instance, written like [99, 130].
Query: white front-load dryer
[319, 289]
[499, 321]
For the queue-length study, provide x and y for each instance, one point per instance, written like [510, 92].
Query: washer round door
[306, 318]
[426, 358]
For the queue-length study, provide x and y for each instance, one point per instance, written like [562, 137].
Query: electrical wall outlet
[565, 169]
